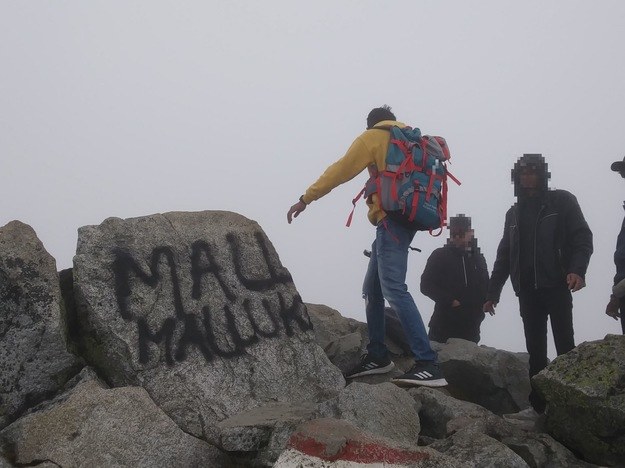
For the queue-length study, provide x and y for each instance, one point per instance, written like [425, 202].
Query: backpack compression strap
[354, 201]
[373, 175]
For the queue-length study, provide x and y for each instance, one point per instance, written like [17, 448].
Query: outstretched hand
[295, 210]
[489, 306]
[574, 282]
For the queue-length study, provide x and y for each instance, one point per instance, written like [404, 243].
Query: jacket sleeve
[433, 279]
[357, 158]
[578, 236]
[619, 255]
[501, 269]
[483, 277]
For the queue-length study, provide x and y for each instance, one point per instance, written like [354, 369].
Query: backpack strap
[373, 176]
[354, 201]
[452, 177]
[415, 202]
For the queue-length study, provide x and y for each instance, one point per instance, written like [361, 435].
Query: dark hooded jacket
[452, 273]
[619, 254]
[562, 242]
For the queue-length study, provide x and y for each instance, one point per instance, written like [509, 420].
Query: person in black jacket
[545, 249]
[617, 299]
[456, 279]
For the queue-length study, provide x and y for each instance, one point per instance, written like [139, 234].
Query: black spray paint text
[182, 330]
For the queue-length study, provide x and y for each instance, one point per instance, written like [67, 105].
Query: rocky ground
[179, 339]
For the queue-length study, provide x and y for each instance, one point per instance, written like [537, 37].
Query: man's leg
[561, 314]
[622, 310]
[376, 361]
[392, 242]
[535, 326]
[374, 308]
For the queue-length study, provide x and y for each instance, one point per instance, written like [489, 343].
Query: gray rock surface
[34, 362]
[496, 379]
[197, 309]
[262, 433]
[541, 450]
[438, 409]
[383, 409]
[343, 339]
[479, 451]
[258, 436]
[585, 393]
[91, 425]
[442, 416]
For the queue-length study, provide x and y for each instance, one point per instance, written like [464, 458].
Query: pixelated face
[530, 175]
[461, 238]
[529, 179]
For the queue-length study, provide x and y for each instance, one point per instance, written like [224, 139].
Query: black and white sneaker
[369, 365]
[423, 373]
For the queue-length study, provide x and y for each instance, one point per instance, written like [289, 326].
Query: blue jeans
[386, 279]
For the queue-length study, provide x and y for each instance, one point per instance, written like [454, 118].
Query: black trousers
[537, 305]
[622, 310]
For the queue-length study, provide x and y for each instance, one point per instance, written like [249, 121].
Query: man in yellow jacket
[386, 273]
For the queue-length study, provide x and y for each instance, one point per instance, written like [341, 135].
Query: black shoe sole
[377, 370]
[407, 382]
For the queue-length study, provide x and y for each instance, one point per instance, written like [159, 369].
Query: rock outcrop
[363, 404]
[496, 379]
[585, 391]
[343, 339]
[201, 353]
[34, 361]
[92, 425]
[197, 309]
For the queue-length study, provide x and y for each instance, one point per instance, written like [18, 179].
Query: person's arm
[501, 268]
[619, 255]
[612, 309]
[579, 242]
[434, 281]
[357, 158]
[296, 209]
[482, 275]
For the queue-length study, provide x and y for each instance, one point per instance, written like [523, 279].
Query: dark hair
[378, 115]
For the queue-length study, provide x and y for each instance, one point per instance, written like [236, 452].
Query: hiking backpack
[412, 190]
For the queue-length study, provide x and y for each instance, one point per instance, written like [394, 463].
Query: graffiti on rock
[253, 307]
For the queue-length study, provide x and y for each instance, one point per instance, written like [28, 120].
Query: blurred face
[461, 239]
[529, 179]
